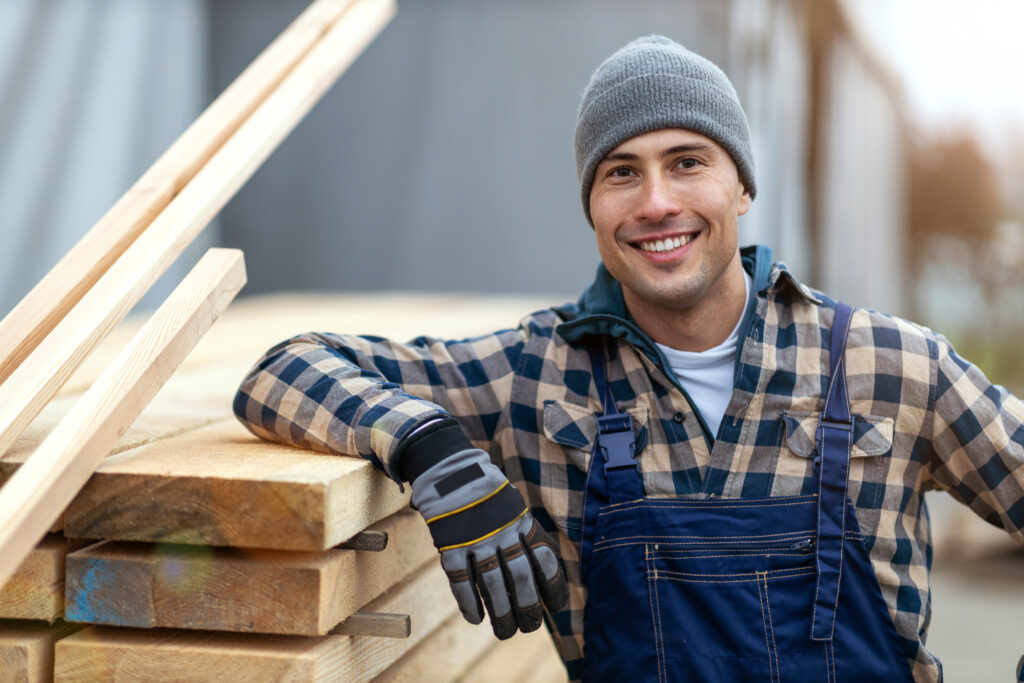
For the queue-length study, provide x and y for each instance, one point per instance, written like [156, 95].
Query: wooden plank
[222, 486]
[51, 299]
[224, 589]
[36, 589]
[444, 656]
[33, 383]
[375, 624]
[36, 494]
[96, 652]
[524, 657]
[26, 650]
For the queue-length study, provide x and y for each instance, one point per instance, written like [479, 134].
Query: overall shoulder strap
[834, 439]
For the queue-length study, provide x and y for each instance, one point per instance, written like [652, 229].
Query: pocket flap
[569, 425]
[872, 435]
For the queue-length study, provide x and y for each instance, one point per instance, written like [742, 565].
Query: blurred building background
[443, 159]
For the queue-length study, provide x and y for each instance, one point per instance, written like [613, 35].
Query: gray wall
[443, 158]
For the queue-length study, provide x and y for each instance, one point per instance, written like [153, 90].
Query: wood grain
[95, 653]
[36, 494]
[51, 299]
[224, 589]
[444, 656]
[524, 657]
[36, 589]
[35, 381]
[220, 485]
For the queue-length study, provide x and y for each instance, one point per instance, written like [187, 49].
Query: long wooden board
[51, 363]
[524, 657]
[36, 589]
[220, 485]
[185, 656]
[50, 300]
[224, 589]
[446, 655]
[34, 497]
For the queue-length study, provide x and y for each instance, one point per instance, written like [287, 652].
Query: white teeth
[667, 245]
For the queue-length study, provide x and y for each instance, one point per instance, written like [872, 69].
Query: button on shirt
[707, 376]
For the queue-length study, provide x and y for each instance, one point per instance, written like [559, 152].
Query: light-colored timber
[524, 657]
[26, 650]
[225, 589]
[50, 300]
[375, 624]
[444, 656]
[36, 589]
[50, 364]
[220, 485]
[185, 656]
[34, 497]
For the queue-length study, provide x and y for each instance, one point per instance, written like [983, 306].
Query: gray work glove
[491, 546]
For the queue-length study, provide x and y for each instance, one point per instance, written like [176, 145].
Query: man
[730, 465]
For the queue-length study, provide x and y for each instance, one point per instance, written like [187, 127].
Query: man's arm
[978, 442]
[364, 395]
[412, 409]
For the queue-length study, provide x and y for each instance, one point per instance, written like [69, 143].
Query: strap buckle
[616, 440]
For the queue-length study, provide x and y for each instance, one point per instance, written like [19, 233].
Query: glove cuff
[429, 446]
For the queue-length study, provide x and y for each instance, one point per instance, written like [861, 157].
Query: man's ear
[744, 201]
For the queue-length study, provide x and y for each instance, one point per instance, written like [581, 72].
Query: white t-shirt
[707, 376]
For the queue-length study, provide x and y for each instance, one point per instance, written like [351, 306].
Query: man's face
[665, 207]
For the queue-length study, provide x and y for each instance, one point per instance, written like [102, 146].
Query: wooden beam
[36, 589]
[222, 486]
[36, 494]
[42, 373]
[26, 650]
[96, 652]
[524, 657]
[225, 589]
[51, 299]
[444, 656]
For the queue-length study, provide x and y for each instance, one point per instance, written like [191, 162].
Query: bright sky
[959, 60]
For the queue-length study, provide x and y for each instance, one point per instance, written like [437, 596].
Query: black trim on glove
[429, 446]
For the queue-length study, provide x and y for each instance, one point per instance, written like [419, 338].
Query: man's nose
[658, 200]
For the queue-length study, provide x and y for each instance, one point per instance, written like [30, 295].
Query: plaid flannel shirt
[924, 419]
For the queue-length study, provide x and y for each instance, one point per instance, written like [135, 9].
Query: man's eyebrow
[678, 149]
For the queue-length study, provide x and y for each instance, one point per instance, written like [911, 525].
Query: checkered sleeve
[362, 395]
[978, 442]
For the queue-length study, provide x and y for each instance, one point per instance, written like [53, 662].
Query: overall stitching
[774, 652]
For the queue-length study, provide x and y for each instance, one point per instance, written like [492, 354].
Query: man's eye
[688, 162]
[620, 172]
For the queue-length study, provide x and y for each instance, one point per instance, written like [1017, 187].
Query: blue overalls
[749, 589]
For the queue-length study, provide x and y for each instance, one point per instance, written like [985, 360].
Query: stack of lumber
[214, 555]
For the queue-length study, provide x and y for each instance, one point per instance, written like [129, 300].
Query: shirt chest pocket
[574, 428]
[869, 454]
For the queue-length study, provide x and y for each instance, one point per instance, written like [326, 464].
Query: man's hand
[491, 547]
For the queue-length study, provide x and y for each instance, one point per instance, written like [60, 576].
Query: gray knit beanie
[653, 83]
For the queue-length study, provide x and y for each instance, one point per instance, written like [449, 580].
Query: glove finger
[519, 578]
[464, 590]
[491, 584]
[546, 568]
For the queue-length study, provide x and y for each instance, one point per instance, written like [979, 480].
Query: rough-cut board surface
[525, 657]
[224, 589]
[220, 485]
[448, 653]
[36, 589]
[26, 650]
[184, 656]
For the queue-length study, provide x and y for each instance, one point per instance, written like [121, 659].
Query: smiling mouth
[667, 244]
